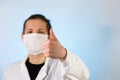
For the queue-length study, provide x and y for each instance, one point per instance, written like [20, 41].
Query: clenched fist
[52, 48]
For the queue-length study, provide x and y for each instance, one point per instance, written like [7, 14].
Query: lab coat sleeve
[74, 68]
[5, 75]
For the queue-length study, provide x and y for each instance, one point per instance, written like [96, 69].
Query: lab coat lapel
[24, 70]
[44, 70]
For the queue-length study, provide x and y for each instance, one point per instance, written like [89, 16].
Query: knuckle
[48, 50]
[49, 42]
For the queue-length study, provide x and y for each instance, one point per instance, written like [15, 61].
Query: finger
[46, 54]
[47, 44]
[52, 35]
[45, 51]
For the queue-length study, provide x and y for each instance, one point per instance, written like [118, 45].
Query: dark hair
[38, 16]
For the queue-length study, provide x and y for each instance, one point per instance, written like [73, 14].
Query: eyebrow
[41, 29]
[38, 29]
[28, 29]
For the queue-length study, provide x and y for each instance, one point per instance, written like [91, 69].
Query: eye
[29, 32]
[41, 32]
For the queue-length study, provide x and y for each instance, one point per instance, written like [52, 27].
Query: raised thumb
[52, 35]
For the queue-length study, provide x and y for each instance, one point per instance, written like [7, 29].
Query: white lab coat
[54, 69]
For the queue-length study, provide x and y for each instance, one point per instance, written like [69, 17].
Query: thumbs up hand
[52, 48]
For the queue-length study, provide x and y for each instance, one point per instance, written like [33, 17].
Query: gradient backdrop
[88, 28]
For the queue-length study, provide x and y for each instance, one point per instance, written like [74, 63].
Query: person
[47, 59]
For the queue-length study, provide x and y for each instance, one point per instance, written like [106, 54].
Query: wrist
[64, 54]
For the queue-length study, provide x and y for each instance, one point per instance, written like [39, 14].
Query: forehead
[35, 24]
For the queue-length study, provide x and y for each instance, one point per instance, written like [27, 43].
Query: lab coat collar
[42, 73]
[44, 70]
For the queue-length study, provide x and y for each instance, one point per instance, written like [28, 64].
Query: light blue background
[88, 28]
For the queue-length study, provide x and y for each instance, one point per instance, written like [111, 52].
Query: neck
[37, 59]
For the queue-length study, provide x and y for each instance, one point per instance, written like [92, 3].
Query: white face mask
[33, 42]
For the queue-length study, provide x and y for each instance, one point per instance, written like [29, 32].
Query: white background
[88, 28]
